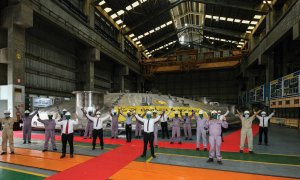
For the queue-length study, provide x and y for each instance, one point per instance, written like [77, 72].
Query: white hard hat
[114, 111]
[246, 112]
[155, 111]
[148, 113]
[186, 112]
[128, 112]
[90, 109]
[68, 114]
[176, 112]
[98, 113]
[200, 112]
[219, 111]
[64, 110]
[6, 112]
[27, 112]
[263, 113]
[214, 112]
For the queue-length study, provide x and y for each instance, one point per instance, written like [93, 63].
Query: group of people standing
[213, 124]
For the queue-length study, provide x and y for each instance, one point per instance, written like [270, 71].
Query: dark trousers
[98, 133]
[263, 130]
[148, 137]
[67, 138]
[164, 129]
[128, 130]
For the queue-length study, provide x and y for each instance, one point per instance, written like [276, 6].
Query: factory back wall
[217, 85]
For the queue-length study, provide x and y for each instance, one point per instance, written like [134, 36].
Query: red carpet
[103, 166]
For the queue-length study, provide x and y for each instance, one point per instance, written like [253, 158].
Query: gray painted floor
[31, 169]
[282, 140]
[236, 166]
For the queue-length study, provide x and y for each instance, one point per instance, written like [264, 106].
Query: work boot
[153, 156]
[54, 149]
[251, 152]
[102, 148]
[29, 142]
[71, 156]
[24, 142]
[113, 137]
[62, 156]
[13, 152]
[44, 150]
[197, 149]
[143, 155]
[191, 139]
[180, 142]
[171, 142]
[220, 162]
[241, 151]
[205, 149]
[210, 160]
[84, 138]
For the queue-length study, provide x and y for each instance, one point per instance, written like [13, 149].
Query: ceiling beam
[155, 15]
[243, 5]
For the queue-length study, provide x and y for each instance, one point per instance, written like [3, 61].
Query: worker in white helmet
[263, 126]
[27, 120]
[67, 134]
[128, 126]
[176, 128]
[246, 130]
[148, 131]
[88, 133]
[164, 124]
[222, 117]
[98, 127]
[49, 131]
[201, 132]
[114, 123]
[215, 128]
[187, 129]
[7, 132]
[62, 116]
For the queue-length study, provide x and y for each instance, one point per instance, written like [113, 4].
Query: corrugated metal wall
[103, 75]
[49, 68]
[219, 85]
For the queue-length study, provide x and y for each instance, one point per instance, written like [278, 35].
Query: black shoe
[190, 139]
[62, 156]
[44, 150]
[219, 162]
[241, 151]
[156, 146]
[180, 142]
[71, 156]
[93, 148]
[259, 143]
[3, 153]
[197, 149]
[54, 149]
[117, 137]
[153, 156]
[127, 141]
[186, 138]
[205, 149]
[29, 142]
[85, 138]
[171, 142]
[143, 155]
[210, 160]
[24, 142]
[102, 148]
[12, 152]
[251, 152]
[113, 137]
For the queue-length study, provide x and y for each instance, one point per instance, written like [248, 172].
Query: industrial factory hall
[149, 89]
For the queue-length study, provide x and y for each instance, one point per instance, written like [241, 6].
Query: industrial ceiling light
[151, 31]
[107, 9]
[128, 8]
[168, 23]
[208, 16]
[131, 35]
[237, 20]
[119, 21]
[254, 22]
[120, 12]
[135, 4]
[245, 22]
[157, 28]
[140, 36]
[146, 33]
[222, 18]
[248, 32]
[101, 3]
[269, 2]
[230, 19]
[138, 42]
[113, 16]
[257, 17]
[135, 39]
[162, 26]
[251, 27]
